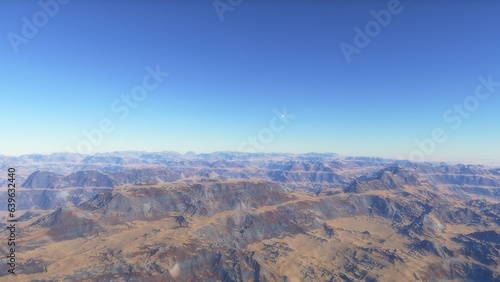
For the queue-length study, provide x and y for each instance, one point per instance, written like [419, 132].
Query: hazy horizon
[485, 161]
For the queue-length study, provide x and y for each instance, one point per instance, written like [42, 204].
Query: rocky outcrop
[70, 222]
[482, 246]
[94, 178]
[97, 201]
[458, 179]
[392, 178]
[488, 192]
[42, 179]
[427, 246]
[146, 176]
[450, 270]
[88, 178]
[305, 172]
[213, 198]
[51, 199]
[202, 200]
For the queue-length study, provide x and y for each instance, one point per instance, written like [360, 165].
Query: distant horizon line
[191, 152]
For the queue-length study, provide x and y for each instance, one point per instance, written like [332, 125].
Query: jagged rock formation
[392, 178]
[305, 172]
[450, 270]
[482, 246]
[68, 223]
[51, 199]
[88, 178]
[43, 179]
[427, 246]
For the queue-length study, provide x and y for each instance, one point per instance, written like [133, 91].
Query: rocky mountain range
[136, 216]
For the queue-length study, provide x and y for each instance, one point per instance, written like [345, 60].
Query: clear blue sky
[226, 77]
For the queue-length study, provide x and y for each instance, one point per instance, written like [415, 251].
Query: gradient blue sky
[226, 77]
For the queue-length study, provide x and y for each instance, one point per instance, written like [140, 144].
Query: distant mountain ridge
[317, 170]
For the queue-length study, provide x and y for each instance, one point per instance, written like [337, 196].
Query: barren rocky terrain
[135, 216]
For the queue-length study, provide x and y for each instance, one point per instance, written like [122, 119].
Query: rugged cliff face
[51, 199]
[88, 178]
[392, 178]
[43, 179]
